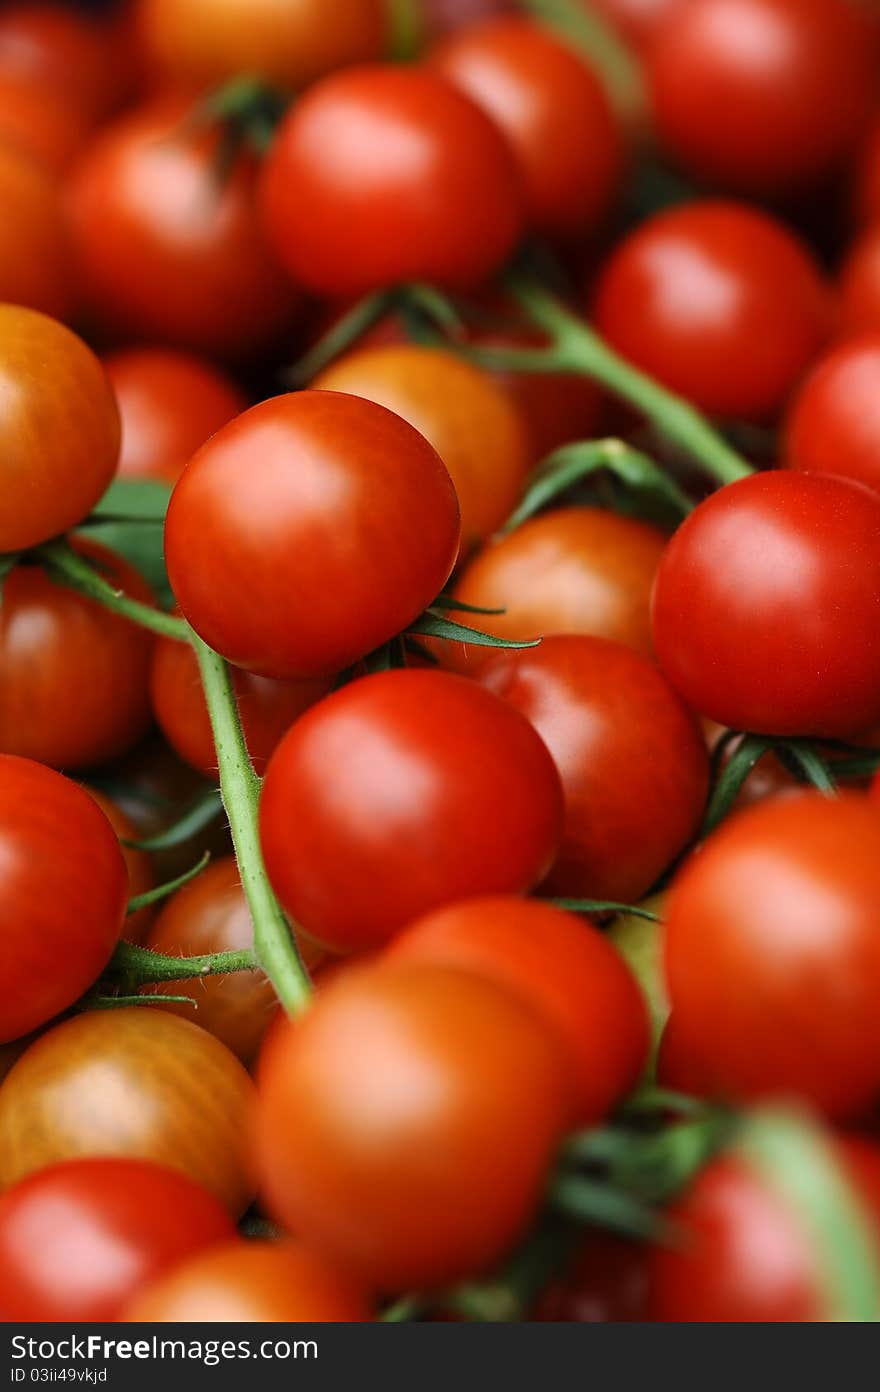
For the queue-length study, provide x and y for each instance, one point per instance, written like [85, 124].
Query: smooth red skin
[40, 123]
[833, 425]
[637, 20]
[631, 756]
[385, 174]
[139, 864]
[766, 605]
[309, 531]
[606, 1283]
[35, 257]
[78, 1240]
[745, 1258]
[554, 111]
[407, 1123]
[165, 251]
[169, 404]
[267, 708]
[859, 287]
[563, 969]
[719, 302]
[772, 957]
[64, 54]
[401, 793]
[73, 676]
[64, 890]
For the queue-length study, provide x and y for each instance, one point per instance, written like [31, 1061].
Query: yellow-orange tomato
[141, 876]
[35, 257]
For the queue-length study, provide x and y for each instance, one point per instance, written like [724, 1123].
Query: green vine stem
[62, 562]
[139, 964]
[164, 891]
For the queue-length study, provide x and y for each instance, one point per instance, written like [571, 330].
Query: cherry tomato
[406, 1123]
[555, 112]
[134, 1083]
[833, 426]
[401, 793]
[40, 124]
[605, 1283]
[59, 428]
[170, 403]
[35, 262]
[64, 890]
[638, 21]
[64, 54]
[761, 95]
[563, 969]
[309, 531]
[632, 759]
[385, 174]
[765, 606]
[267, 708]
[745, 1257]
[719, 302]
[141, 875]
[472, 423]
[859, 286]
[78, 1240]
[571, 570]
[166, 249]
[772, 958]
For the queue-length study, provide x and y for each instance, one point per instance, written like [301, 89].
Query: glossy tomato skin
[569, 570]
[765, 606]
[336, 522]
[78, 1240]
[35, 252]
[135, 1084]
[554, 111]
[407, 1121]
[141, 875]
[478, 432]
[747, 1259]
[267, 708]
[73, 676]
[59, 428]
[761, 95]
[398, 794]
[254, 1282]
[384, 174]
[772, 959]
[719, 302]
[165, 251]
[560, 967]
[632, 759]
[833, 426]
[65, 55]
[605, 1283]
[169, 404]
[64, 888]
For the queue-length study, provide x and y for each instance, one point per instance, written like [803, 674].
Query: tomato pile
[440, 660]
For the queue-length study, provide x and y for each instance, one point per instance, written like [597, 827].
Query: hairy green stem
[61, 561]
[141, 965]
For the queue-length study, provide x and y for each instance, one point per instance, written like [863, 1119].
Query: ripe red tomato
[473, 424]
[400, 793]
[745, 1258]
[719, 302]
[765, 606]
[859, 286]
[170, 403]
[555, 112]
[833, 425]
[761, 95]
[563, 969]
[406, 1123]
[168, 251]
[39, 123]
[59, 428]
[35, 260]
[267, 708]
[632, 759]
[64, 54]
[385, 174]
[772, 956]
[637, 20]
[141, 874]
[133, 1083]
[308, 531]
[253, 1282]
[570, 570]
[64, 889]
[73, 676]
[78, 1240]
[605, 1283]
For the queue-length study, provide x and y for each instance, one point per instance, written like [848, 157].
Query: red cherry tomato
[170, 403]
[833, 426]
[168, 249]
[386, 174]
[407, 1122]
[637, 20]
[64, 54]
[859, 287]
[606, 1283]
[309, 531]
[78, 1240]
[563, 969]
[555, 112]
[765, 606]
[401, 793]
[64, 888]
[719, 302]
[631, 757]
[35, 259]
[141, 874]
[772, 958]
[761, 95]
